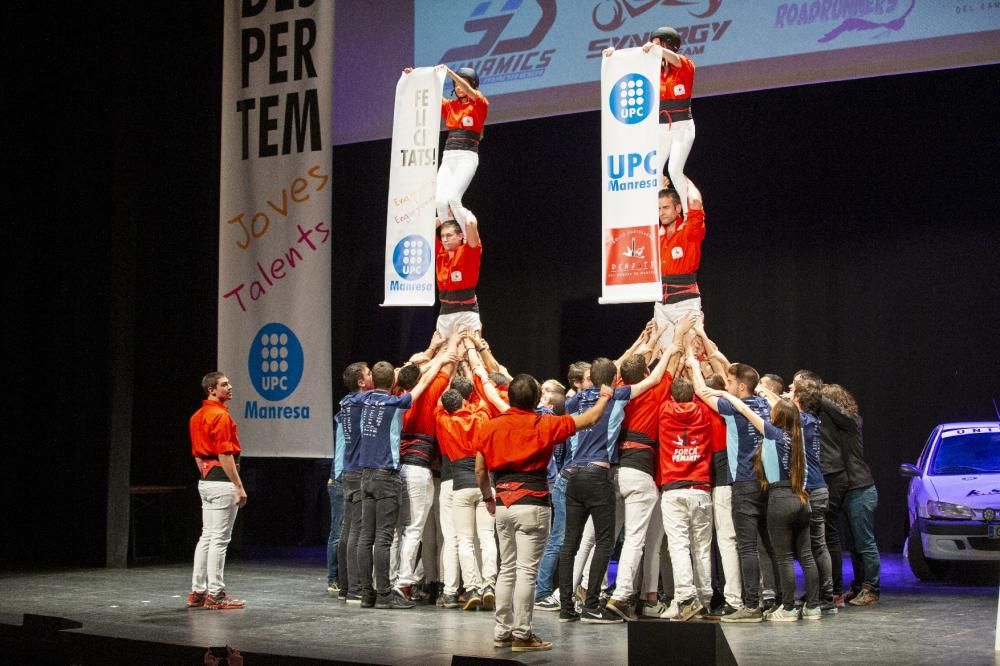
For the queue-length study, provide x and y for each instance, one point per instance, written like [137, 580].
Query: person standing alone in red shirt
[216, 450]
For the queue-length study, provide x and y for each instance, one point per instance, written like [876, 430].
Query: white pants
[675, 144]
[448, 324]
[450, 571]
[651, 552]
[522, 530]
[581, 563]
[725, 539]
[671, 313]
[453, 178]
[640, 496]
[218, 514]
[417, 498]
[687, 522]
[472, 522]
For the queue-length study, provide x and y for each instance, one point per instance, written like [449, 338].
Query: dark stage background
[852, 229]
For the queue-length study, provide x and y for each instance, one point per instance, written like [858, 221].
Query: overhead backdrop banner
[630, 98]
[409, 233]
[274, 225]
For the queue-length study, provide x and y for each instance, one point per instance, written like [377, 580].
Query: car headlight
[948, 510]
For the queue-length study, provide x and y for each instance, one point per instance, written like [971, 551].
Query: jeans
[218, 514]
[788, 527]
[750, 519]
[589, 493]
[836, 483]
[416, 501]
[818, 500]
[640, 495]
[522, 530]
[380, 491]
[687, 522]
[859, 507]
[335, 490]
[545, 583]
[585, 553]
[347, 551]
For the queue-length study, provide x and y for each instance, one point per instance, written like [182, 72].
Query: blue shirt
[381, 422]
[557, 461]
[347, 427]
[742, 438]
[811, 440]
[776, 453]
[600, 443]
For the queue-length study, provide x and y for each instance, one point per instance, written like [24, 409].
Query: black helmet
[668, 37]
[469, 75]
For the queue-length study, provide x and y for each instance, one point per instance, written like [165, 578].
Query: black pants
[788, 527]
[837, 483]
[750, 521]
[589, 492]
[347, 547]
[380, 490]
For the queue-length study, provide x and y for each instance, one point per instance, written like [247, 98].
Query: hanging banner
[630, 97]
[275, 230]
[409, 230]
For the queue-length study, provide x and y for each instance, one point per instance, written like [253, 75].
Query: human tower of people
[466, 486]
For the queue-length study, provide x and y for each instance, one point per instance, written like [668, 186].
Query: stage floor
[289, 613]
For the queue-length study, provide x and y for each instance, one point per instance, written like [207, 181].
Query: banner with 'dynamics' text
[275, 232]
[409, 234]
[630, 96]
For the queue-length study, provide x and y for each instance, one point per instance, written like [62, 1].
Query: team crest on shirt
[456, 276]
[676, 252]
[679, 90]
[467, 121]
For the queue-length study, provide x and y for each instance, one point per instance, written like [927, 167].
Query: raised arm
[750, 415]
[461, 83]
[769, 395]
[637, 345]
[651, 380]
[485, 352]
[428, 374]
[695, 201]
[488, 389]
[668, 56]
[593, 415]
[471, 229]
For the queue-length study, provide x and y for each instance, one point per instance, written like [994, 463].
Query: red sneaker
[223, 601]
[195, 600]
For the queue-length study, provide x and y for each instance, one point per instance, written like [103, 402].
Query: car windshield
[968, 451]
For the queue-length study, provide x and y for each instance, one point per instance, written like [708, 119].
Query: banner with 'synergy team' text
[275, 233]
[409, 233]
[630, 97]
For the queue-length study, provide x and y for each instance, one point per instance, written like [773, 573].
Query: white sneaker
[654, 610]
[781, 614]
[670, 612]
[812, 613]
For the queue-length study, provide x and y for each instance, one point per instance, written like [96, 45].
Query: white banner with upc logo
[274, 226]
[630, 97]
[409, 234]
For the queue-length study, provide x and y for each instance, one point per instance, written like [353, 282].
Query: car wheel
[923, 568]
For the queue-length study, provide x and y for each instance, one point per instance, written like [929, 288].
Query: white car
[953, 500]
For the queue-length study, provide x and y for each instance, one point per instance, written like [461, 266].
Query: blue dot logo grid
[631, 99]
[275, 362]
[412, 257]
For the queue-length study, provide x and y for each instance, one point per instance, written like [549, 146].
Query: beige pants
[523, 530]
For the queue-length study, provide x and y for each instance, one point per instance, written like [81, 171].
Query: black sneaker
[829, 608]
[448, 600]
[720, 612]
[393, 601]
[599, 616]
[367, 600]
[488, 598]
[342, 594]
[353, 598]
[568, 615]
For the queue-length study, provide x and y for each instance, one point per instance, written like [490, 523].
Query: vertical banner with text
[275, 232]
[630, 97]
[409, 233]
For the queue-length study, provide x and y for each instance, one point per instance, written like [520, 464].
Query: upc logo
[631, 99]
[275, 362]
[412, 257]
